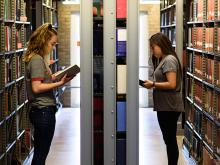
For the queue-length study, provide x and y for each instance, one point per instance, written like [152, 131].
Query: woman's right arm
[39, 87]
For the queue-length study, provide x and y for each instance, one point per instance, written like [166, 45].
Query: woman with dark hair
[166, 84]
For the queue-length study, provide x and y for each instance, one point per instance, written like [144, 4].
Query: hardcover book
[121, 116]
[70, 71]
[121, 42]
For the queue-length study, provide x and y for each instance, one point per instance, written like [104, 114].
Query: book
[121, 39]
[70, 71]
[121, 116]
[121, 79]
[121, 9]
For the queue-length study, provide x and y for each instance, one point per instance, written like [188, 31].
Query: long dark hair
[165, 44]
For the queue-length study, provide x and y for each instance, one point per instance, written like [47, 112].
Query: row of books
[204, 97]
[208, 129]
[50, 16]
[20, 38]
[189, 87]
[17, 152]
[9, 70]
[98, 39]
[168, 17]
[170, 33]
[19, 65]
[198, 71]
[205, 68]
[193, 143]
[218, 141]
[196, 10]
[10, 132]
[208, 159]
[198, 150]
[121, 40]
[196, 36]
[98, 77]
[11, 99]
[197, 94]
[209, 101]
[166, 3]
[98, 147]
[20, 92]
[98, 114]
[194, 117]
[218, 113]
[204, 126]
[8, 38]
[98, 100]
[121, 79]
[19, 11]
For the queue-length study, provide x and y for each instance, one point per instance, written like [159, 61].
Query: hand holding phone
[141, 83]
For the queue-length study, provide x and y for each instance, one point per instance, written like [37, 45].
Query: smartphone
[141, 83]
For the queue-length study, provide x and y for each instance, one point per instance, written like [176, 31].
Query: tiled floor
[65, 147]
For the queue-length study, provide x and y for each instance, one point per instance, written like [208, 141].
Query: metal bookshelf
[202, 60]
[14, 31]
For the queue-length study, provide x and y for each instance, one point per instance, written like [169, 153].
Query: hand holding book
[70, 72]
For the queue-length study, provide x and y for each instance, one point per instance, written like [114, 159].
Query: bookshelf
[202, 81]
[15, 139]
[117, 121]
[168, 19]
[121, 80]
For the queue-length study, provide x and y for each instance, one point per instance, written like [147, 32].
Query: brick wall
[64, 16]
[153, 11]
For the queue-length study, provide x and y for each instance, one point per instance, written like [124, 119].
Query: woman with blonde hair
[40, 90]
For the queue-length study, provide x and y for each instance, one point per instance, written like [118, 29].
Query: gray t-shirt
[37, 70]
[168, 100]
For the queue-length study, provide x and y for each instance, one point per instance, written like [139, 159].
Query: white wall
[75, 58]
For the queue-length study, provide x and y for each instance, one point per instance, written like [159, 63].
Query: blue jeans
[43, 121]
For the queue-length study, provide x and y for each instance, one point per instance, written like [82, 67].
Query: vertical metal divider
[132, 114]
[86, 85]
[179, 32]
[109, 81]
[179, 46]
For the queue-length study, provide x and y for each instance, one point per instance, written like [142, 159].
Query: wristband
[153, 83]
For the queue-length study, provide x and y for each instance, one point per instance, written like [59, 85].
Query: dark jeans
[43, 121]
[168, 125]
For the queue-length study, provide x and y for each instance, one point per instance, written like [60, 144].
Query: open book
[70, 71]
